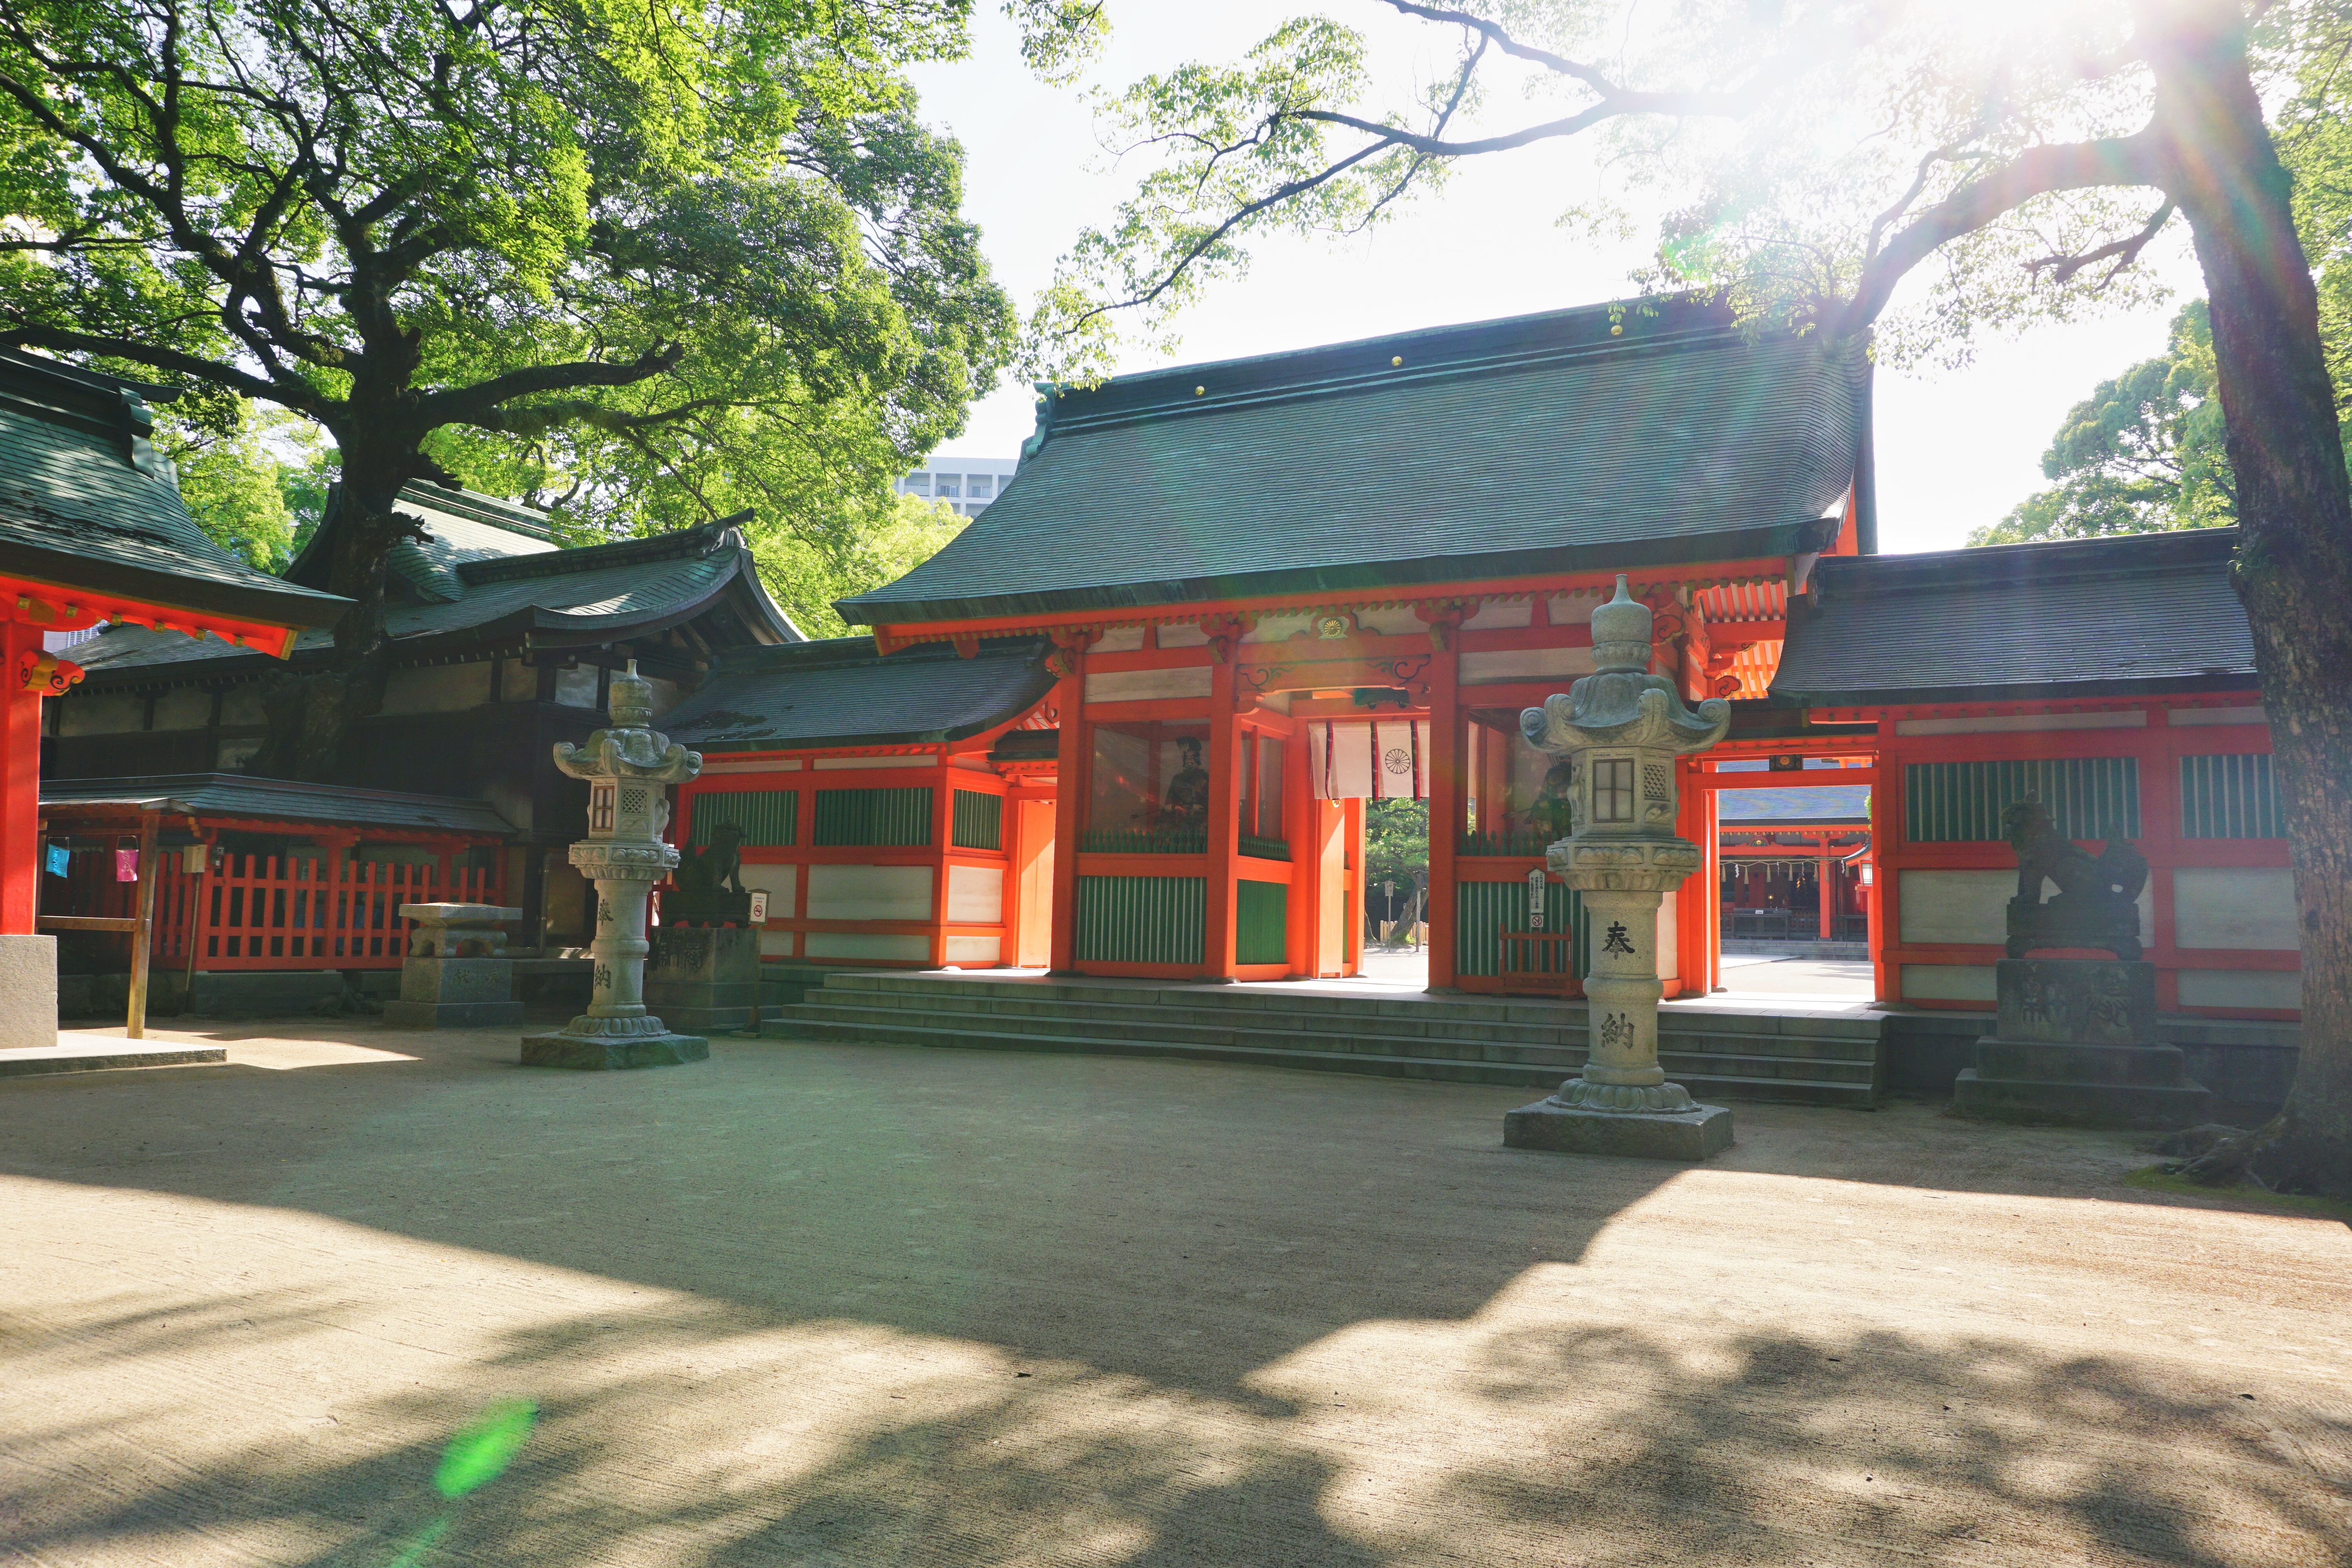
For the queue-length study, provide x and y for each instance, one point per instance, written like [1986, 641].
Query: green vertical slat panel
[978, 820]
[1262, 923]
[770, 818]
[1483, 911]
[2233, 795]
[1141, 920]
[1961, 803]
[874, 818]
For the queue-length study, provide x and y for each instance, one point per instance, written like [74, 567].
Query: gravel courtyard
[843, 1305]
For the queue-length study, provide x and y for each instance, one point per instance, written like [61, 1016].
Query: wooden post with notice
[143, 934]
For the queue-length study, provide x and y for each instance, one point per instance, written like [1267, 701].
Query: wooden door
[1033, 939]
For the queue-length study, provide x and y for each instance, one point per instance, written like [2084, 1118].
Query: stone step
[884, 1028]
[1686, 1033]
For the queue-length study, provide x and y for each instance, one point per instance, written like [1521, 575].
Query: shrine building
[1125, 723]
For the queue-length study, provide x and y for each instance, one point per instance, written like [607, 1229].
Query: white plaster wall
[1120, 639]
[852, 765]
[184, 708]
[1948, 982]
[101, 713]
[775, 944]
[2005, 723]
[1973, 906]
[2234, 906]
[1525, 664]
[1182, 634]
[1147, 685]
[1502, 616]
[713, 766]
[575, 685]
[439, 689]
[1955, 906]
[779, 882]
[2199, 718]
[975, 894]
[974, 950]
[1391, 621]
[853, 945]
[869, 893]
[1274, 628]
[2265, 988]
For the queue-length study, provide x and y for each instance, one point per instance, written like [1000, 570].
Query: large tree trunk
[313, 718]
[2294, 571]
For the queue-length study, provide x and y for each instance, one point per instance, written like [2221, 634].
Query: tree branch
[2062, 269]
[56, 339]
[471, 405]
[2135, 160]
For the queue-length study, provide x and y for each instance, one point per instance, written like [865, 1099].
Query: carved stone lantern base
[613, 1052]
[1698, 1133]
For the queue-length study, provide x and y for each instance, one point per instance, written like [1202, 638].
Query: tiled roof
[87, 502]
[839, 692]
[275, 800]
[507, 586]
[1802, 806]
[2079, 617]
[1536, 443]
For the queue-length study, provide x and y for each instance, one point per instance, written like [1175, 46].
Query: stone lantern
[626, 767]
[1622, 729]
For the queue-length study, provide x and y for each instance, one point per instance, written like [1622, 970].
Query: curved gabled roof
[840, 692]
[86, 501]
[2079, 617]
[1641, 434]
[534, 594]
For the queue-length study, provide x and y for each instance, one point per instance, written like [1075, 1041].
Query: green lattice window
[1262, 922]
[1263, 848]
[2232, 796]
[1503, 844]
[875, 818]
[978, 820]
[770, 818]
[1483, 911]
[1144, 841]
[1961, 803]
[1141, 920]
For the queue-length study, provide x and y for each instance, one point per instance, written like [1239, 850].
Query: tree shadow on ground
[1597, 1447]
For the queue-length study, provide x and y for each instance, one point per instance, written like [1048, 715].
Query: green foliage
[481, 1453]
[1396, 842]
[655, 263]
[2142, 454]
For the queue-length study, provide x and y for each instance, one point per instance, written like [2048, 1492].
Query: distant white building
[967, 484]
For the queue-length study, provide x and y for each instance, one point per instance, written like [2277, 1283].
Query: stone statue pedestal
[2075, 1044]
[456, 973]
[704, 978]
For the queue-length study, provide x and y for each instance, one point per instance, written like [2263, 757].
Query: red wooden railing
[254, 911]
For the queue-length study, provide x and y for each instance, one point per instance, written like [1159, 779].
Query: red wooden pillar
[1447, 741]
[1300, 827]
[1825, 872]
[20, 782]
[1352, 817]
[942, 830]
[1225, 758]
[1886, 901]
[1070, 787]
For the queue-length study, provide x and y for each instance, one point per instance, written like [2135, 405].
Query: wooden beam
[142, 938]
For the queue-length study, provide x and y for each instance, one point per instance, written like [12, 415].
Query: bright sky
[1956, 447]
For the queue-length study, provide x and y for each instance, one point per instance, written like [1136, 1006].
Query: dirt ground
[839, 1305]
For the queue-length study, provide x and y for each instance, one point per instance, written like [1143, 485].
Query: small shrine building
[92, 529]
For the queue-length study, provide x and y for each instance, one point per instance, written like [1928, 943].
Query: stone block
[613, 1052]
[2093, 1001]
[28, 991]
[704, 978]
[2144, 1106]
[456, 975]
[1695, 1134]
[2050, 1062]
